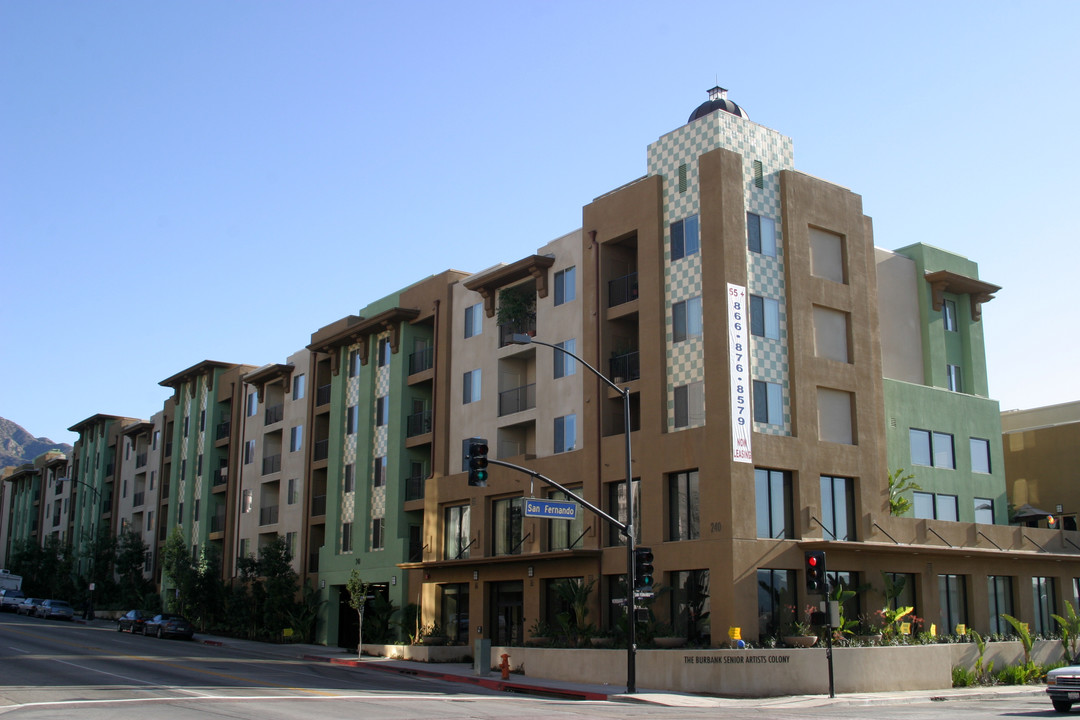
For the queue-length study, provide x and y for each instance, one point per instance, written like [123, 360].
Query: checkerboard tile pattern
[380, 443]
[352, 397]
[682, 277]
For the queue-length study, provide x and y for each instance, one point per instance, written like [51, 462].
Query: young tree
[358, 590]
[130, 561]
[177, 567]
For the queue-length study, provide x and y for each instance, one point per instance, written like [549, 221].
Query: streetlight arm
[522, 339]
[571, 493]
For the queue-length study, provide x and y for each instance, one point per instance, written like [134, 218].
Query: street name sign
[552, 509]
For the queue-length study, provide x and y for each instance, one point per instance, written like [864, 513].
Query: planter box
[422, 653]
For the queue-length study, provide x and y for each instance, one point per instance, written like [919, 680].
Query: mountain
[18, 446]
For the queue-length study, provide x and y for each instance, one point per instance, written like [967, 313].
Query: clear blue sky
[165, 164]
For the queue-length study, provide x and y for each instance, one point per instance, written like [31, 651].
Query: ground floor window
[776, 601]
[455, 611]
[690, 605]
[507, 613]
[953, 593]
[1042, 591]
[999, 591]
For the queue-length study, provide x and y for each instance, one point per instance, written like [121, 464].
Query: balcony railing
[217, 523]
[268, 515]
[313, 562]
[508, 330]
[140, 460]
[138, 499]
[421, 360]
[318, 505]
[626, 366]
[414, 488]
[274, 414]
[168, 449]
[221, 477]
[223, 429]
[622, 290]
[271, 464]
[322, 449]
[518, 399]
[418, 423]
[322, 395]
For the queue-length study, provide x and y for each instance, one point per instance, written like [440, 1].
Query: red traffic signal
[814, 567]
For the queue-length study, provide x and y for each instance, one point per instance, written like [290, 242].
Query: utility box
[481, 656]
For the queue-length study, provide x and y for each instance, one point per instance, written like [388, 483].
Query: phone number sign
[739, 372]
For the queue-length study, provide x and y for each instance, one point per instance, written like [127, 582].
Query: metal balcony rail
[217, 523]
[414, 488]
[322, 395]
[274, 414]
[418, 423]
[517, 399]
[223, 429]
[271, 464]
[622, 290]
[626, 366]
[421, 360]
[318, 505]
[508, 330]
[268, 515]
[221, 477]
[313, 562]
[138, 499]
[140, 460]
[322, 449]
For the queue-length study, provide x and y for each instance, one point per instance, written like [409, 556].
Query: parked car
[29, 606]
[10, 599]
[134, 621]
[169, 625]
[55, 610]
[1063, 687]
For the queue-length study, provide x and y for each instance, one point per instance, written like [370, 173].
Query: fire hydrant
[505, 667]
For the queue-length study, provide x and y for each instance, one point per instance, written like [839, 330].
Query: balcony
[414, 488]
[622, 290]
[271, 464]
[508, 330]
[421, 360]
[268, 515]
[418, 423]
[318, 505]
[518, 399]
[140, 460]
[221, 477]
[322, 395]
[138, 499]
[168, 449]
[626, 366]
[322, 449]
[224, 429]
[217, 524]
[313, 562]
[274, 414]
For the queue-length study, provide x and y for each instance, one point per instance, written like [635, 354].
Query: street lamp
[629, 531]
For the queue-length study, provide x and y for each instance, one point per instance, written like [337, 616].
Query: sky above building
[218, 180]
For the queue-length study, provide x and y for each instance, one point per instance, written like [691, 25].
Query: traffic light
[643, 568]
[478, 462]
[816, 583]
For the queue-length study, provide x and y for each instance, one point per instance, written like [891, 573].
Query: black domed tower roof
[718, 100]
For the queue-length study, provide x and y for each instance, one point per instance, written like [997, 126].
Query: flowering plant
[795, 626]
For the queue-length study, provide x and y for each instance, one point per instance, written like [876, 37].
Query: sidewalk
[463, 673]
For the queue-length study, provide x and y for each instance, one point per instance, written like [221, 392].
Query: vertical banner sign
[739, 352]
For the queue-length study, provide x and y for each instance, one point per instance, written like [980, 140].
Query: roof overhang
[943, 281]
[358, 331]
[489, 283]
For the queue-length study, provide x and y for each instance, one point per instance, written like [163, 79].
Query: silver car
[55, 610]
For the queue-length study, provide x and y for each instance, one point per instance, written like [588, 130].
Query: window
[1043, 595]
[683, 180]
[346, 537]
[932, 449]
[566, 534]
[565, 433]
[565, 285]
[298, 387]
[838, 507]
[186, 423]
[980, 455]
[473, 320]
[296, 438]
[352, 419]
[470, 387]
[952, 373]
[195, 516]
[157, 435]
[764, 317]
[198, 465]
[948, 315]
[378, 532]
[768, 403]
[690, 405]
[685, 239]
[354, 363]
[953, 602]
[616, 497]
[929, 506]
[456, 524]
[565, 364]
[291, 494]
[683, 501]
[1000, 595]
[506, 526]
[772, 490]
[249, 452]
[349, 482]
[686, 319]
[984, 511]
[382, 410]
[252, 403]
[245, 506]
[242, 551]
[690, 605]
[123, 489]
[776, 599]
[761, 234]
[384, 352]
[180, 514]
[290, 543]
[759, 174]
[379, 475]
[149, 521]
[947, 508]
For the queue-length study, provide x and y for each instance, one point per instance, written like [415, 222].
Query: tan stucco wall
[898, 313]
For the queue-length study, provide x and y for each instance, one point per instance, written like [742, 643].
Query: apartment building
[140, 484]
[1042, 463]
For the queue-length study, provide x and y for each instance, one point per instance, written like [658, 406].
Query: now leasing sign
[739, 352]
[553, 509]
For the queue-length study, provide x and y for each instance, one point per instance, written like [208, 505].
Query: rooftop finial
[718, 93]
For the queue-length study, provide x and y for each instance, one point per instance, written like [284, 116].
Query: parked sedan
[29, 606]
[168, 624]
[55, 610]
[134, 621]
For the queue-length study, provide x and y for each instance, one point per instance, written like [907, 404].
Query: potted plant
[517, 309]
[539, 634]
[432, 635]
[797, 633]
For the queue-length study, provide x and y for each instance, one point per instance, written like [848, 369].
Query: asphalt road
[61, 670]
